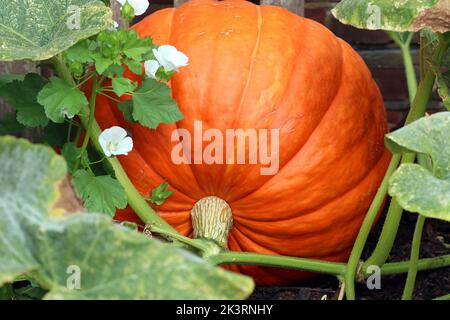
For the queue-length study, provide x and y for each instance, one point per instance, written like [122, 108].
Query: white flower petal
[151, 67]
[139, 6]
[114, 141]
[117, 134]
[170, 58]
[125, 146]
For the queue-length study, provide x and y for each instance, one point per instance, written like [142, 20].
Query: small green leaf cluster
[161, 194]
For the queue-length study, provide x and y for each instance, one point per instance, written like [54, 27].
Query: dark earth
[429, 284]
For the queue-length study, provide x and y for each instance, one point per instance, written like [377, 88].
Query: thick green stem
[361, 239]
[135, 200]
[419, 102]
[375, 207]
[230, 257]
[423, 264]
[90, 122]
[446, 297]
[410, 72]
[415, 250]
[403, 40]
[393, 217]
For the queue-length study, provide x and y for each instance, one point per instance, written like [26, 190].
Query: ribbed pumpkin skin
[263, 67]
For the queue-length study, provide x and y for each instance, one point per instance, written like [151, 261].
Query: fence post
[295, 6]
[178, 3]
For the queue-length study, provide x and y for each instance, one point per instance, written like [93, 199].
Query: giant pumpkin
[263, 67]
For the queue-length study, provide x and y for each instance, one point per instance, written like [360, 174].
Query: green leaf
[61, 100]
[115, 262]
[21, 95]
[71, 154]
[443, 80]
[135, 47]
[80, 52]
[101, 194]
[114, 70]
[444, 89]
[127, 109]
[394, 15]
[135, 66]
[55, 134]
[102, 63]
[41, 29]
[29, 292]
[9, 124]
[161, 194]
[8, 78]
[122, 86]
[153, 105]
[416, 188]
[6, 292]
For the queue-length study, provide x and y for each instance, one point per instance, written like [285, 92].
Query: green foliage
[115, 48]
[115, 262]
[21, 95]
[41, 29]
[127, 109]
[420, 189]
[8, 78]
[61, 100]
[72, 154]
[102, 194]
[443, 80]
[9, 124]
[161, 194]
[55, 134]
[122, 86]
[394, 15]
[153, 105]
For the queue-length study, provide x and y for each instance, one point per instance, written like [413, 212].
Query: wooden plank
[115, 7]
[178, 3]
[295, 6]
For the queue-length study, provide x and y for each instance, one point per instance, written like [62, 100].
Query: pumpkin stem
[212, 219]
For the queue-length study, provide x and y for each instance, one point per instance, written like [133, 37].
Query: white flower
[151, 67]
[170, 58]
[114, 142]
[139, 6]
[114, 26]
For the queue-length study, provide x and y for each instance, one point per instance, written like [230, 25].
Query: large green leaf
[419, 189]
[40, 29]
[22, 96]
[395, 15]
[153, 105]
[113, 262]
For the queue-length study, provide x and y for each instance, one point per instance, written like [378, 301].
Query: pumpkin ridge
[324, 256]
[306, 141]
[252, 63]
[313, 210]
[246, 86]
[212, 64]
[283, 97]
[177, 123]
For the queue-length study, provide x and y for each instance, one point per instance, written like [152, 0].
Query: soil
[429, 284]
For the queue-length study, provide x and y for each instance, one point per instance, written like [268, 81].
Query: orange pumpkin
[264, 67]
